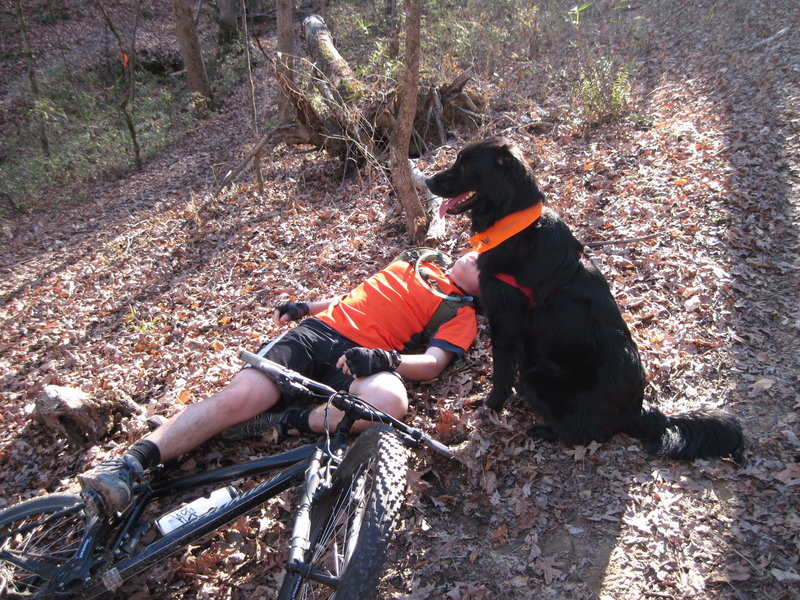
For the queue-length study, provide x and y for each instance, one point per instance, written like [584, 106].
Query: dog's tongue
[450, 203]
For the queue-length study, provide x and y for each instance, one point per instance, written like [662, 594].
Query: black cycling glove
[367, 361]
[295, 310]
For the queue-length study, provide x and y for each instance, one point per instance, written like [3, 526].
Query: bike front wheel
[37, 537]
[351, 525]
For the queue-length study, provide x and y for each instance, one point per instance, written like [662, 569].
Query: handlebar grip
[260, 362]
[438, 446]
[272, 368]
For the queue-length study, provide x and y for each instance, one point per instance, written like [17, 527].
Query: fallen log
[348, 119]
[335, 69]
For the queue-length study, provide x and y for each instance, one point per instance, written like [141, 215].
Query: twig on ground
[621, 241]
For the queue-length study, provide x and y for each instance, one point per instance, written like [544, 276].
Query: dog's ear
[510, 158]
[508, 153]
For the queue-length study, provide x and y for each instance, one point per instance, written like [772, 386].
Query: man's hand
[360, 362]
[291, 311]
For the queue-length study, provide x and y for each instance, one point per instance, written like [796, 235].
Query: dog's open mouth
[457, 205]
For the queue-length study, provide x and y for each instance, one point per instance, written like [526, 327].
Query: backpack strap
[412, 255]
[446, 310]
[450, 303]
[416, 256]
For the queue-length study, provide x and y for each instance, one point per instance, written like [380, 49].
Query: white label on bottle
[194, 510]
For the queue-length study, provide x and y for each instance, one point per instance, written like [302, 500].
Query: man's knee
[249, 393]
[385, 391]
[397, 405]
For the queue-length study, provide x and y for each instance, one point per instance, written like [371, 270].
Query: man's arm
[294, 311]
[422, 367]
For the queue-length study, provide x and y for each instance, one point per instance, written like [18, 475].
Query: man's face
[464, 273]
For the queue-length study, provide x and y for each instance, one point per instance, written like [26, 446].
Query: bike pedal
[93, 501]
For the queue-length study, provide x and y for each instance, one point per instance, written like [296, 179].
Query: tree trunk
[128, 55]
[416, 219]
[285, 61]
[228, 21]
[193, 57]
[337, 73]
[43, 139]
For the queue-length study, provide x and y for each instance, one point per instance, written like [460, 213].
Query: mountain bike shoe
[259, 424]
[113, 479]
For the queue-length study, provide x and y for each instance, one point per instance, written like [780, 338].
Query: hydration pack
[450, 303]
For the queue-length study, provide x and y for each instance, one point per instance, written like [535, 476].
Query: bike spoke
[33, 549]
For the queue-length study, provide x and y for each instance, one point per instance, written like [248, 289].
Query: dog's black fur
[578, 366]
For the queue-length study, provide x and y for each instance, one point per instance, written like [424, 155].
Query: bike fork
[301, 533]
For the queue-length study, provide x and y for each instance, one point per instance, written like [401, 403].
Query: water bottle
[196, 509]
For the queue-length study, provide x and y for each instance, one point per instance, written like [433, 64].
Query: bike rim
[338, 539]
[44, 547]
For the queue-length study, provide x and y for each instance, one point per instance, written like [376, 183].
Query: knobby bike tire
[352, 524]
[27, 533]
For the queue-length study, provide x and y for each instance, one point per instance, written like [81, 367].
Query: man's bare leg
[249, 393]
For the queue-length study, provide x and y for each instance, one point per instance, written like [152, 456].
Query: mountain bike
[64, 545]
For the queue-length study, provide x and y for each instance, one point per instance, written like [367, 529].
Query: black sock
[146, 452]
[298, 419]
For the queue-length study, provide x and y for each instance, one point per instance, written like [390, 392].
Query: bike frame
[292, 464]
[304, 462]
[86, 575]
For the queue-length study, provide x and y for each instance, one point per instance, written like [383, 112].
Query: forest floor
[146, 289]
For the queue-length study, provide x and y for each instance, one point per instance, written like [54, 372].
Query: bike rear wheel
[36, 538]
[351, 525]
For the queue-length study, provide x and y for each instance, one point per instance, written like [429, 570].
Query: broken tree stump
[78, 416]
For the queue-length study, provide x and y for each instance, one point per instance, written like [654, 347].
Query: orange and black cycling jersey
[390, 310]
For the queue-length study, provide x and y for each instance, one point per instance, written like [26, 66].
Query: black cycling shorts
[312, 348]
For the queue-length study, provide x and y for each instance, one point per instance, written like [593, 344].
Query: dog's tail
[688, 435]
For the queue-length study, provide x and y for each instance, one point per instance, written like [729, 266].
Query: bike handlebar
[343, 401]
[288, 375]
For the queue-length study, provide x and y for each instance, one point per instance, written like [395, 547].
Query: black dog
[554, 321]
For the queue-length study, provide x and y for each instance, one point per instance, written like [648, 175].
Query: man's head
[464, 273]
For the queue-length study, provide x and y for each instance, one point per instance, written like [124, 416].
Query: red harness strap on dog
[511, 280]
[530, 293]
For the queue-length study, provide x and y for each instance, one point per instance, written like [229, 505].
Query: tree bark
[193, 57]
[285, 60]
[416, 219]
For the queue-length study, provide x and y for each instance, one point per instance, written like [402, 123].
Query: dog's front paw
[544, 433]
[496, 399]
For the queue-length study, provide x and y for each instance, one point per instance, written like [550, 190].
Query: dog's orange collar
[505, 228]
